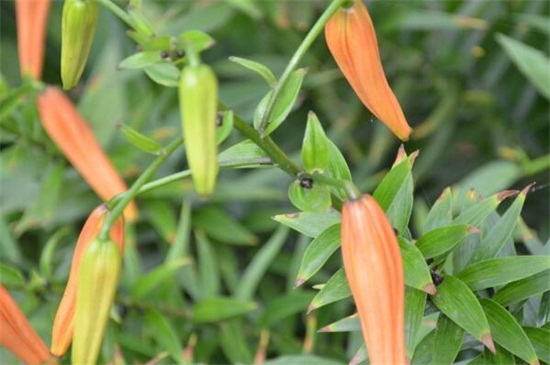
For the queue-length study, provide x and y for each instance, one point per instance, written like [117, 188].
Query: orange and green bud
[31, 16]
[17, 334]
[198, 95]
[97, 283]
[78, 26]
[373, 266]
[74, 137]
[351, 39]
[63, 326]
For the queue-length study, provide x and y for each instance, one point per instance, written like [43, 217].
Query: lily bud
[63, 326]
[74, 137]
[32, 16]
[97, 283]
[198, 95]
[351, 39]
[78, 26]
[17, 334]
[373, 266]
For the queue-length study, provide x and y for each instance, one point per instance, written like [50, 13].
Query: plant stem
[134, 190]
[113, 8]
[302, 49]
[348, 186]
[277, 155]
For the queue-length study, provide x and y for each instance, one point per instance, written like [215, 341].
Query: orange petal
[63, 326]
[17, 334]
[74, 137]
[31, 16]
[373, 266]
[351, 39]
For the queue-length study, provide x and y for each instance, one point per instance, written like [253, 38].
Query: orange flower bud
[63, 326]
[373, 266]
[352, 41]
[31, 16]
[17, 334]
[74, 137]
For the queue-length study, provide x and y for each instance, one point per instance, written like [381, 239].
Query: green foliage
[216, 280]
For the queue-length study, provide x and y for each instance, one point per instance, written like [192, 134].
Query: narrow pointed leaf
[337, 168]
[507, 332]
[318, 252]
[539, 339]
[220, 308]
[233, 342]
[417, 273]
[141, 141]
[440, 214]
[476, 214]
[140, 60]
[347, 324]
[309, 224]
[208, 267]
[245, 153]
[222, 227]
[448, 337]
[257, 67]
[523, 289]
[502, 271]
[458, 303]
[335, 289]
[442, 240]
[315, 147]
[165, 74]
[164, 334]
[285, 306]
[414, 311]
[152, 280]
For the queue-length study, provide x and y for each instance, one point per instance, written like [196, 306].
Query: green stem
[302, 49]
[277, 155]
[348, 186]
[113, 8]
[136, 186]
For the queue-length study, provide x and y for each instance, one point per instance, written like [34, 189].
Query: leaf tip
[430, 289]
[487, 340]
[473, 230]
[506, 194]
[298, 282]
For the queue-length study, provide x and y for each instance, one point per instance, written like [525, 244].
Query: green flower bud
[198, 95]
[97, 283]
[77, 33]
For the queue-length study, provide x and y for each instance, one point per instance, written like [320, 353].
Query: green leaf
[507, 332]
[164, 334]
[301, 360]
[223, 130]
[417, 273]
[257, 67]
[162, 217]
[8, 246]
[220, 308]
[309, 224]
[477, 213]
[48, 253]
[395, 193]
[424, 351]
[414, 310]
[315, 147]
[491, 177]
[284, 306]
[313, 199]
[196, 39]
[502, 271]
[458, 303]
[165, 74]
[317, 253]
[234, 343]
[209, 272]
[141, 141]
[11, 276]
[337, 169]
[500, 233]
[440, 214]
[140, 60]
[244, 154]
[285, 101]
[539, 339]
[260, 263]
[348, 324]
[222, 227]
[442, 240]
[152, 280]
[335, 289]
[502, 357]
[447, 341]
[523, 289]
[531, 62]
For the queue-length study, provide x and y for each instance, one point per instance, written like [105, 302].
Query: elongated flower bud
[63, 326]
[78, 26]
[97, 283]
[74, 137]
[373, 266]
[32, 16]
[198, 94]
[17, 334]
[352, 41]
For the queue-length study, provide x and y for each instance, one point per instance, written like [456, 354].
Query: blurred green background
[472, 78]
